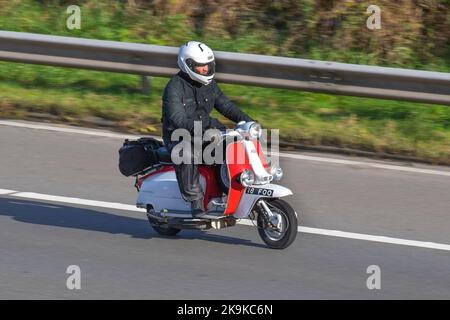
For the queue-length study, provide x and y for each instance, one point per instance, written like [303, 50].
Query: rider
[190, 96]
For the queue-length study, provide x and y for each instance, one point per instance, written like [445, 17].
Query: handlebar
[232, 133]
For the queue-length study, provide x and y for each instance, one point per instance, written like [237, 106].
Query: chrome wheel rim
[271, 233]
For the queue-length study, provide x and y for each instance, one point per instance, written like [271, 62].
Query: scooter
[233, 190]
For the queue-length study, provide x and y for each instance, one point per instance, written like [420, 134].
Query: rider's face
[203, 70]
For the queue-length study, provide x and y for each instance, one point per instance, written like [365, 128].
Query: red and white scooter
[232, 191]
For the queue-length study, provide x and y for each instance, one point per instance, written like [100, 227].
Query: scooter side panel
[161, 190]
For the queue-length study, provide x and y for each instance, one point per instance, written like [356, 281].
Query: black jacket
[186, 101]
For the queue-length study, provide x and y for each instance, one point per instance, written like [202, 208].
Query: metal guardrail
[237, 68]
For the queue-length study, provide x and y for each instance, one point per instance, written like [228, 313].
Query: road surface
[347, 206]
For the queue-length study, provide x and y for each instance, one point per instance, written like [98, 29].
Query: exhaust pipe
[223, 223]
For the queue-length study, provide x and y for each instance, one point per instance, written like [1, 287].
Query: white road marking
[282, 154]
[34, 204]
[67, 130]
[85, 202]
[6, 191]
[368, 237]
[360, 163]
[326, 232]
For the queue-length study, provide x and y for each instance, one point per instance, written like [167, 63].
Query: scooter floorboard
[187, 215]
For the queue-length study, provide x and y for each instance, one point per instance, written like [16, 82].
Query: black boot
[197, 208]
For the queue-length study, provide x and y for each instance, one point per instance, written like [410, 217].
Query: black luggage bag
[137, 155]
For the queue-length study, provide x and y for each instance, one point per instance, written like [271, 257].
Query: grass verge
[381, 126]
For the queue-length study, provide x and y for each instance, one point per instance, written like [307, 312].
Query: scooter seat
[163, 155]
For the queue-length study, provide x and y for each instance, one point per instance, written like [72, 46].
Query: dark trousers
[188, 177]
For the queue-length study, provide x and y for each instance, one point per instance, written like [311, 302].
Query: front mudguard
[248, 200]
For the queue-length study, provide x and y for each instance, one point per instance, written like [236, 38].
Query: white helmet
[194, 54]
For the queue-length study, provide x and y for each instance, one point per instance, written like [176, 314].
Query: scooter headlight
[255, 131]
[247, 178]
[276, 172]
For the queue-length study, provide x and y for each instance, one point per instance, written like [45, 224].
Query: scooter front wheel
[284, 233]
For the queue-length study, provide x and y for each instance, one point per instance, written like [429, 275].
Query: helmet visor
[204, 69]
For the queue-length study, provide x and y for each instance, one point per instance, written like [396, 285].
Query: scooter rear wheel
[163, 229]
[278, 239]
[166, 231]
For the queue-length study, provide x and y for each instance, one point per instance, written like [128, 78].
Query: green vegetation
[328, 30]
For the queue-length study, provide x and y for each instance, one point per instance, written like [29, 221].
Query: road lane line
[6, 191]
[368, 237]
[33, 204]
[326, 232]
[85, 202]
[361, 163]
[67, 130]
[282, 154]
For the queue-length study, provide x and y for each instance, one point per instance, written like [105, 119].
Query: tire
[163, 229]
[222, 176]
[166, 230]
[289, 217]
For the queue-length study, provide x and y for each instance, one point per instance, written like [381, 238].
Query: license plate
[260, 191]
